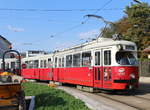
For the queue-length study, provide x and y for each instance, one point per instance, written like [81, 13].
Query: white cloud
[15, 29]
[89, 35]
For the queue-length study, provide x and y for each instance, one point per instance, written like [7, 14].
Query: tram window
[49, 62]
[99, 74]
[76, 60]
[69, 61]
[63, 62]
[12, 64]
[36, 63]
[41, 63]
[86, 59]
[97, 58]
[55, 61]
[7, 65]
[130, 47]
[107, 57]
[26, 62]
[1, 65]
[45, 65]
[31, 64]
[126, 58]
[59, 62]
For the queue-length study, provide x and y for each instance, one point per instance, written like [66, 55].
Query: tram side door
[107, 68]
[98, 70]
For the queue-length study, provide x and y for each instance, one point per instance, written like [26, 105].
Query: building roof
[147, 49]
[4, 39]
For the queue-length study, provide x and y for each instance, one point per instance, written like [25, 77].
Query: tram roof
[101, 42]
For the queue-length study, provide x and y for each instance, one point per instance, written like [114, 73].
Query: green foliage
[139, 18]
[52, 99]
[135, 26]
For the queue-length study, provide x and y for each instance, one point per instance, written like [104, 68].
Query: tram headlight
[132, 76]
[120, 47]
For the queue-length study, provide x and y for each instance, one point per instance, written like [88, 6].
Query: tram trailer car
[103, 63]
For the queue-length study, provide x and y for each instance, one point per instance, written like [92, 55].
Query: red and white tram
[103, 63]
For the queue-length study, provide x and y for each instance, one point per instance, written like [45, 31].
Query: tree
[139, 18]
[135, 26]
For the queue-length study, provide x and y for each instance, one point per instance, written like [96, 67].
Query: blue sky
[32, 29]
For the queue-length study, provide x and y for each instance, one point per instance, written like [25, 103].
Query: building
[4, 46]
[147, 50]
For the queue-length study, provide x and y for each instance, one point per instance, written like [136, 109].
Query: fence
[144, 68]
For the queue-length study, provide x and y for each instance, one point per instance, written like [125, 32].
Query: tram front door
[98, 70]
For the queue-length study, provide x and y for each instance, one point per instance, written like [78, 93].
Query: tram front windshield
[126, 58]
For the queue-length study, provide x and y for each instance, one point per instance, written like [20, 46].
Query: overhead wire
[99, 9]
[103, 6]
[83, 22]
[108, 2]
[71, 28]
[59, 10]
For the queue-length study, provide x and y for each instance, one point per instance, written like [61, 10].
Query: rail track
[137, 102]
[148, 99]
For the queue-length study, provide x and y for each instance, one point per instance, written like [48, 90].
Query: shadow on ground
[144, 88]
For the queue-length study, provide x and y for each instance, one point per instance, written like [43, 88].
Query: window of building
[69, 61]
[76, 60]
[97, 58]
[107, 57]
[86, 59]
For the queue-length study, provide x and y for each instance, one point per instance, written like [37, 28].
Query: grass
[47, 98]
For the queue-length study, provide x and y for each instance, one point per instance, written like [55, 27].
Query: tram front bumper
[126, 84]
[131, 81]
